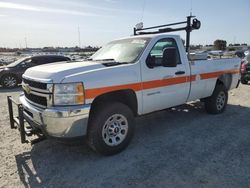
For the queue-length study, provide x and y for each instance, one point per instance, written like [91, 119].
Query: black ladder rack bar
[165, 30]
[188, 28]
[155, 27]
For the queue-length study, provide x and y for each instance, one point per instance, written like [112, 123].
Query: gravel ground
[181, 147]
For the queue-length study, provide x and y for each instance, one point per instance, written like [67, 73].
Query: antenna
[191, 7]
[79, 37]
[143, 9]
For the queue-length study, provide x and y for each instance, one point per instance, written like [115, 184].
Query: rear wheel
[111, 128]
[217, 103]
[9, 81]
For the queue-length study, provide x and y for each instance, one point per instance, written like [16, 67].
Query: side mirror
[150, 61]
[169, 57]
[23, 64]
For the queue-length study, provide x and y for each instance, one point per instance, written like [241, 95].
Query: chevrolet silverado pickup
[98, 98]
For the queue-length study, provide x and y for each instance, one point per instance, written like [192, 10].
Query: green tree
[220, 44]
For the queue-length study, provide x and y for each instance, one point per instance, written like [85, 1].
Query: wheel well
[226, 80]
[127, 97]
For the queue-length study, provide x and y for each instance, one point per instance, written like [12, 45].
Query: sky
[55, 23]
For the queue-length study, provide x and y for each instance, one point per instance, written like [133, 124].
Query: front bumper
[58, 122]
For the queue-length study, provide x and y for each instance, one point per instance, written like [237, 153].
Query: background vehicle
[245, 70]
[126, 78]
[11, 75]
[240, 54]
[2, 63]
[246, 53]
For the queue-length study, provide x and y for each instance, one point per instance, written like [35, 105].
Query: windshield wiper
[108, 62]
[114, 63]
[104, 60]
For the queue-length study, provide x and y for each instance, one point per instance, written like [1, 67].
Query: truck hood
[56, 72]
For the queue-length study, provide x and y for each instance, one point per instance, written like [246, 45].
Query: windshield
[15, 63]
[126, 50]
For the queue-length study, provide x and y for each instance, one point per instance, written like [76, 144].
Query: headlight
[68, 94]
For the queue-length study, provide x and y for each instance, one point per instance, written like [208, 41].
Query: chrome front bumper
[59, 122]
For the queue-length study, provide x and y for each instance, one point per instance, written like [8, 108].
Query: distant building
[243, 47]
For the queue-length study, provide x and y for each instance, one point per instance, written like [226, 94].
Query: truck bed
[206, 73]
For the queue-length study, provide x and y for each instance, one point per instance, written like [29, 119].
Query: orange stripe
[217, 74]
[164, 82]
[191, 78]
[93, 93]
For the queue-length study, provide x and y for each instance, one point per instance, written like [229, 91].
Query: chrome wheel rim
[115, 130]
[221, 99]
[9, 81]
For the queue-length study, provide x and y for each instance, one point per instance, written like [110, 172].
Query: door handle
[180, 72]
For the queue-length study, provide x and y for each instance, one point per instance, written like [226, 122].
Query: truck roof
[148, 36]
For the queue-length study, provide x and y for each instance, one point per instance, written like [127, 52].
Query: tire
[243, 81]
[217, 102]
[110, 128]
[9, 81]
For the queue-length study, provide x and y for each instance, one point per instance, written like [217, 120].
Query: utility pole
[25, 40]
[234, 39]
[79, 37]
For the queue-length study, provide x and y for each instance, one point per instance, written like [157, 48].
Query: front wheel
[110, 128]
[217, 103]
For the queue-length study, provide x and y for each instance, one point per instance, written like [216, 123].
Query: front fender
[108, 79]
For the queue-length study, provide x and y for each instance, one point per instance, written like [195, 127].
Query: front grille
[35, 84]
[36, 99]
[36, 92]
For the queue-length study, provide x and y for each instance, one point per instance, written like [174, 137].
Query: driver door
[164, 87]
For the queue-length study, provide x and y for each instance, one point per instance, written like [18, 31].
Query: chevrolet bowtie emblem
[26, 88]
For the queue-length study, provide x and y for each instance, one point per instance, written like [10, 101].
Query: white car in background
[246, 53]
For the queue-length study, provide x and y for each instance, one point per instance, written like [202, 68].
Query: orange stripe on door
[164, 82]
[191, 78]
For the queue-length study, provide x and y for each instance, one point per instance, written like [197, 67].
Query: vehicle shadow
[165, 139]
[47, 156]
[6, 90]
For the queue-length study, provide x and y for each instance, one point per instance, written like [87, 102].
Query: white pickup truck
[129, 77]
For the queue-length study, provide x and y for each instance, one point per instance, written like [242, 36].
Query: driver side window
[156, 52]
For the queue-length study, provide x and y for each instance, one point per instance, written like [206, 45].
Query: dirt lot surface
[182, 147]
